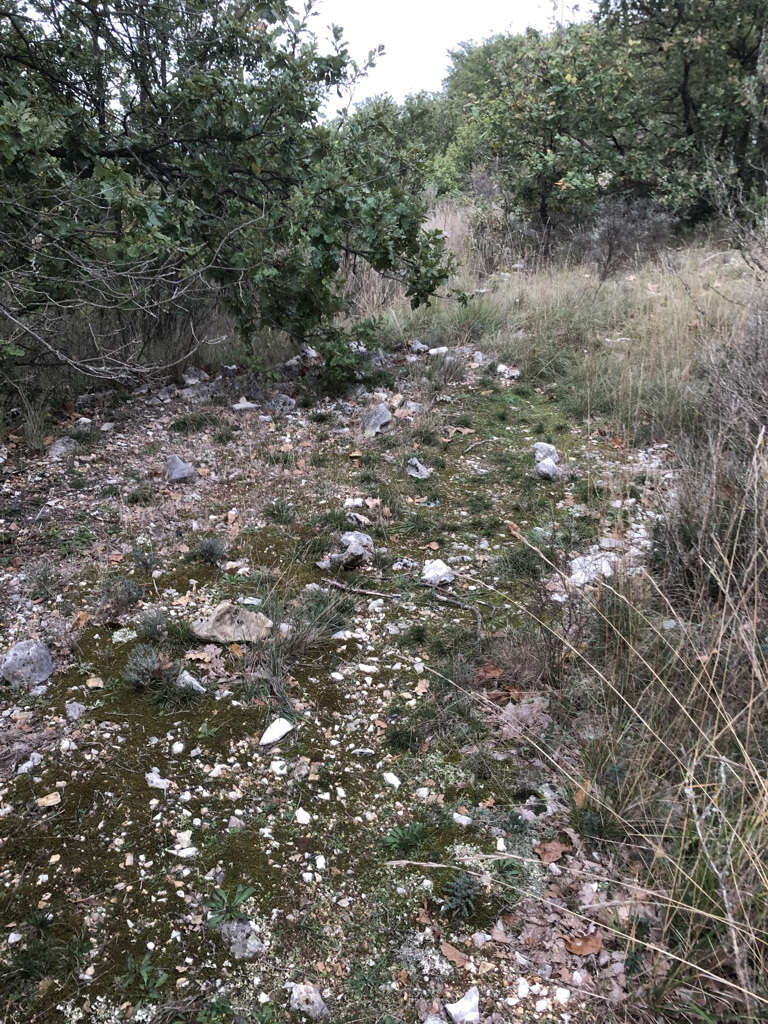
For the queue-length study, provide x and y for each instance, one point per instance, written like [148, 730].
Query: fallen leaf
[581, 794]
[486, 673]
[432, 546]
[551, 851]
[583, 945]
[454, 955]
[116, 556]
[80, 620]
[422, 686]
[237, 650]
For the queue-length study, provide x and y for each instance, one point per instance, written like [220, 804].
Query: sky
[418, 34]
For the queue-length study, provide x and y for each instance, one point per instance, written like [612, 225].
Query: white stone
[467, 1009]
[303, 817]
[462, 819]
[276, 731]
[436, 572]
[391, 780]
[154, 781]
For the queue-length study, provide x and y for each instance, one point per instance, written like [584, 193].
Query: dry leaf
[454, 955]
[486, 673]
[581, 794]
[551, 851]
[80, 620]
[422, 686]
[584, 945]
[237, 650]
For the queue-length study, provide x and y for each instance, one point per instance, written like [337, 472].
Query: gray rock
[74, 710]
[27, 663]
[417, 470]
[548, 469]
[281, 404]
[542, 450]
[197, 392]
[243, 939]
[177, 471]
[418, 346]
[436, 572]
[229, 623]
[467, 1009]
[62, 448]
[243, 405]
[186, 681]
[375, 419]
[193, 375]
[358, 548]
[307, 1000]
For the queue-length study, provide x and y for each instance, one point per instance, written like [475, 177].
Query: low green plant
[405, 840]
[120, 593]
[193, 422]
[227, 905]
[145, 976]
[148, 671]
[461, 896]
[280, 511]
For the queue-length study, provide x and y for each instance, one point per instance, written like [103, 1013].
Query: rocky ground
[299, 747]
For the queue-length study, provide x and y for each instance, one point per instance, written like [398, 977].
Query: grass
[194, 422]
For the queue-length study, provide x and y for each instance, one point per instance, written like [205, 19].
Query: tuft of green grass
[193, 422]
[280, 511]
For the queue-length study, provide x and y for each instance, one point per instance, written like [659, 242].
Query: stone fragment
[417, 470]
[467, 1009]
[74, 709]
[50, 800]
[27, 663]
[186, 681]
[391, 780]
[229, 624]
[436, 572]
[243, 939]
[154, 780]
[177, 471]
[276, 731]
[548, 469]
[375, 419]
[306, 999]
[588, 568]
[302, 817]
[358, 548]
[62, 448]
[243, 405]
[542, 450]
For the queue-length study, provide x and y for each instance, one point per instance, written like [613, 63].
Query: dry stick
[359, 590]
[467, 608]
[476, 444]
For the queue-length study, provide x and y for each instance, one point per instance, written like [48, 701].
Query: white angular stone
[467, 1009]
[391, 780]
[436, 572]
[276, 731]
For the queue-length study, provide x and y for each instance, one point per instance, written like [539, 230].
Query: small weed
[227, 905]
[152, 625]
[142, 495]
[405, 840]
[148, 671]
[120, 593]
[461, 896]
[144, 976]
[224, 435]
[280, 511]
[44, 582]
[144, 558]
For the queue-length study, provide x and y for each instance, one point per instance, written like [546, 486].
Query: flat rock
[62, 448]
[243, 939]
[27, 663]
[74, 710]
[229, 623]
[375, 419]
[417, 470]
[358, 548]
[306, 999]
[467, 1009]
[436, 572]
[177, 471]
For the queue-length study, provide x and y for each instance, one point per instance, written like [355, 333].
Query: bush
[210, 550]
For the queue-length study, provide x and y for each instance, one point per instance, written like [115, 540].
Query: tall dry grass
[668, 667]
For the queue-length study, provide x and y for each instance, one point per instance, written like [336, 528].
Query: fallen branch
[359, 590]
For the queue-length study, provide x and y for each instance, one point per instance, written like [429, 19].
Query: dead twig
[359, 590]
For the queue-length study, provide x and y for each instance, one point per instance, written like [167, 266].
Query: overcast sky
[417, 34]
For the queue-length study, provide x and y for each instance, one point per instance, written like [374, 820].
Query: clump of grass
[142, 495]
[147, 670]
[210, 550]
[144, 558]
[280, 511]
[193, 422]
[120, 593]
[44, 582]
[405, 840]
[153, 625]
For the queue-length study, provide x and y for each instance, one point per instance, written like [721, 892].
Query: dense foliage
[662, 100]
[164, 159]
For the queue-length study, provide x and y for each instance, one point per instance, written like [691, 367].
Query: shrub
[210, 550]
